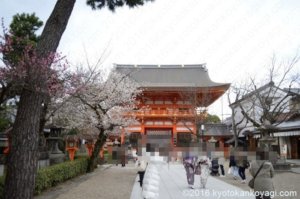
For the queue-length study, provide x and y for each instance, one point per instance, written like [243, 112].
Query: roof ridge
[202, 66]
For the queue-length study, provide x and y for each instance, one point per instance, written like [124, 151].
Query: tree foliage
[14, 43]
[22, 33]
[113, 4]
[4, 123]
[212, 119]
[101, 106]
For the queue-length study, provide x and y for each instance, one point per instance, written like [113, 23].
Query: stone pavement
[283, 181]
[114, 182]
[295, 165]
[294, 161]
[173, 185]
[107, 182]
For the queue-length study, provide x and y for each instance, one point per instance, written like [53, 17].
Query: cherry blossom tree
[101, 105]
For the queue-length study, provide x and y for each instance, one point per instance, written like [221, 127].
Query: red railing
[164, 113]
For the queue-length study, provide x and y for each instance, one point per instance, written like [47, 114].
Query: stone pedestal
[278, 164]
[56, 155]
[57, 158]
[44, 160]
[43, 163]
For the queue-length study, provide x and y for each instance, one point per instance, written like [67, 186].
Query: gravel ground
[283, 181]
[111, 183]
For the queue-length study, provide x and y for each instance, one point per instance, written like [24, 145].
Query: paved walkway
[108, 182]
[173, 185]
[295, 165]
[114, 182]
[283, 181]
[294, 161]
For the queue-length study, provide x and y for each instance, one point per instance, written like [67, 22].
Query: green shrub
[50, 176]
[2, 179]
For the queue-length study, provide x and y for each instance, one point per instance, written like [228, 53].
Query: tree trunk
[98, 145]
[55, 27]
[236, 139]
[23, 155]
[234, 129]
[43, 120]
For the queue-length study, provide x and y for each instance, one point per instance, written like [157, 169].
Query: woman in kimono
[205, 165]
[189, 165]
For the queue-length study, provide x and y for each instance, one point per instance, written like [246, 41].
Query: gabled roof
[170, 76]
[291, 91]
[289, 116]
[248, 95]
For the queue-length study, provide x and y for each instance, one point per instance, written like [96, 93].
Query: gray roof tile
[162, 76]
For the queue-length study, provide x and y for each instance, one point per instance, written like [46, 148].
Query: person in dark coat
[221, 161]
[123, 155]
[232, 161]
[243, 164]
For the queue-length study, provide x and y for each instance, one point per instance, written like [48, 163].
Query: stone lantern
[56, 155]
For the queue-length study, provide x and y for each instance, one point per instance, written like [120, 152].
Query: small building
[288, 136]
[219, 134]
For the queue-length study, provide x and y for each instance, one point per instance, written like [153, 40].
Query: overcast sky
[235, 38]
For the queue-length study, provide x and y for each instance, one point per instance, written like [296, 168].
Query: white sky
[234, 38]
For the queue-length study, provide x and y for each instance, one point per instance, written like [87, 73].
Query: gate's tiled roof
[166, 76]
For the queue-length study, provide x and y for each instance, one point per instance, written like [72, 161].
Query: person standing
[123, 155]
[205, 165]
[263, 183]
[115, 154]
[233, 166]
[221, 163]
[242, 166]
[189, 165]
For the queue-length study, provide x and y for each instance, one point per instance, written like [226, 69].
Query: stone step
[282, 166]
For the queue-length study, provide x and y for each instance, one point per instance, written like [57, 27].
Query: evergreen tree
[212, 119]
[23, 33]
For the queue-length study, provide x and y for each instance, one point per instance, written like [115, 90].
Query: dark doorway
[184, 139]
[158, 140]
[133, 139]
[295, 145]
